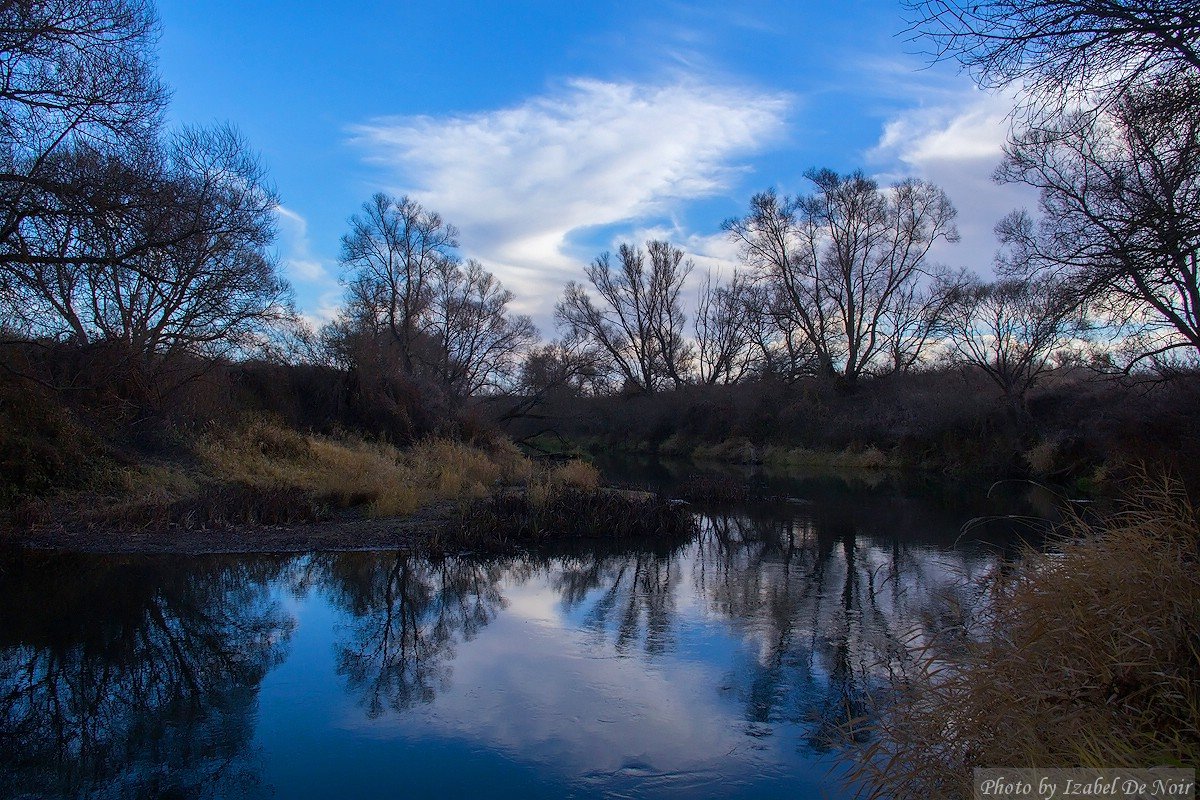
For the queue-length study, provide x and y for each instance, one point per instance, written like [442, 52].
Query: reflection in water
[406, 616]
[113, 669]
[726, 665]
[824, 611]
[637, 602]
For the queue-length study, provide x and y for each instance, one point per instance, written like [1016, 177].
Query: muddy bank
[509, 520]
[412, 532]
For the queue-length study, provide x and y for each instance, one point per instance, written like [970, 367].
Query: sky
[550, 132]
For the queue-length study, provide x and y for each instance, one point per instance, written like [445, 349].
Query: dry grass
[736, 451]
[1085, 657]
[574, 474]
[870, 457]
[561, 501]
[352, 472]
[267, 474]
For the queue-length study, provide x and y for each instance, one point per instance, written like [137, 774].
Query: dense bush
[948, 419]
[1086, 656]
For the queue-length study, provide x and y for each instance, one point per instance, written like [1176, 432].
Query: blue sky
[547, 132]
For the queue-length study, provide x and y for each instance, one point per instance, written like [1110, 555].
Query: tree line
[839, 282]
[148, 249]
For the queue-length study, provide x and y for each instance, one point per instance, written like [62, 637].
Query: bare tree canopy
[638, 325]
[724, 327]
[78, 68]
[1061, 52]
[565, 367]
[1011, 329]
[112, 235]
[1120, 217]
[158, 257]
[843, 261]
[478, 341]
[450, 323]
[74, 74]
[391, 256]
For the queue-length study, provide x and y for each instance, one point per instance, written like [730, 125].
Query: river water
[723, 666]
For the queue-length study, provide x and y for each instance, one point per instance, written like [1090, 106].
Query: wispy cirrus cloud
[315, 281]
[520, 182]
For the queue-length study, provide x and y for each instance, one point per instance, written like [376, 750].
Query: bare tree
[391, 256]
[639, 326]
[73, 73]
[449, 324]
[478, 342]
[564, 366]
[842, 260]
[1011, 330]
[150, 258]
[1120, 217]
[1062, 52]
[724, 342]
[782, 350]
[916, 318]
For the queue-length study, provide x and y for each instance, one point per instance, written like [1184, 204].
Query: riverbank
[264, 488]
[1082, 430]
[510, 521]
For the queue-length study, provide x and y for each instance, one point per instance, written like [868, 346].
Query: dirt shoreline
[412, 532]
[444, 527]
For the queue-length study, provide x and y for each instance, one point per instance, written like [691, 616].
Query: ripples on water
[723, 666]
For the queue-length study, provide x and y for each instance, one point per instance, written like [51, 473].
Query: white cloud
[519, 181]
[957, 144]
[973, 128]
[315, 283]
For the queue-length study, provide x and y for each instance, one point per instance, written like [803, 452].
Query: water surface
[723, 666]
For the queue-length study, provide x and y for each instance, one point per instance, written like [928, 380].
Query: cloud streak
[957, 144]
[520, 182]
[316, 285]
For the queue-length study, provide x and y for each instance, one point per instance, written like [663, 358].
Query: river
[721, 666]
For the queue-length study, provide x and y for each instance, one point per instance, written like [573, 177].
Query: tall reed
[1084, 655]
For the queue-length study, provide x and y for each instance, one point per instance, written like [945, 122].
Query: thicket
[1085, 655]
[64, 426]
[1072, 428]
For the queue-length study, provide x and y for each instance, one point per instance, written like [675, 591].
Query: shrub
[1089, 656]
[43, 446]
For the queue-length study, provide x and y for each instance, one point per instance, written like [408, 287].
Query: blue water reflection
[723, 666]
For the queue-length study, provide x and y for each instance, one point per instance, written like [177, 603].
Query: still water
[722, 666]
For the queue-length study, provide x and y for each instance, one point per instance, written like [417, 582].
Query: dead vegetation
[1088, 655]
[446, 495]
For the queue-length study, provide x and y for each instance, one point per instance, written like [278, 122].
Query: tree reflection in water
[406, 616]
[826, 601]
[113, 668]
[830, 601]
[823, 602]
[637, 602]
[133, 677]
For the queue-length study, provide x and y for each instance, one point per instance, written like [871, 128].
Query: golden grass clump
[541, 488]
[151, 482]
[576, 475]
[452, 469]
[736, 451]
[1088, 656]
[347, 471]
[869, 458]
[351, 472]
